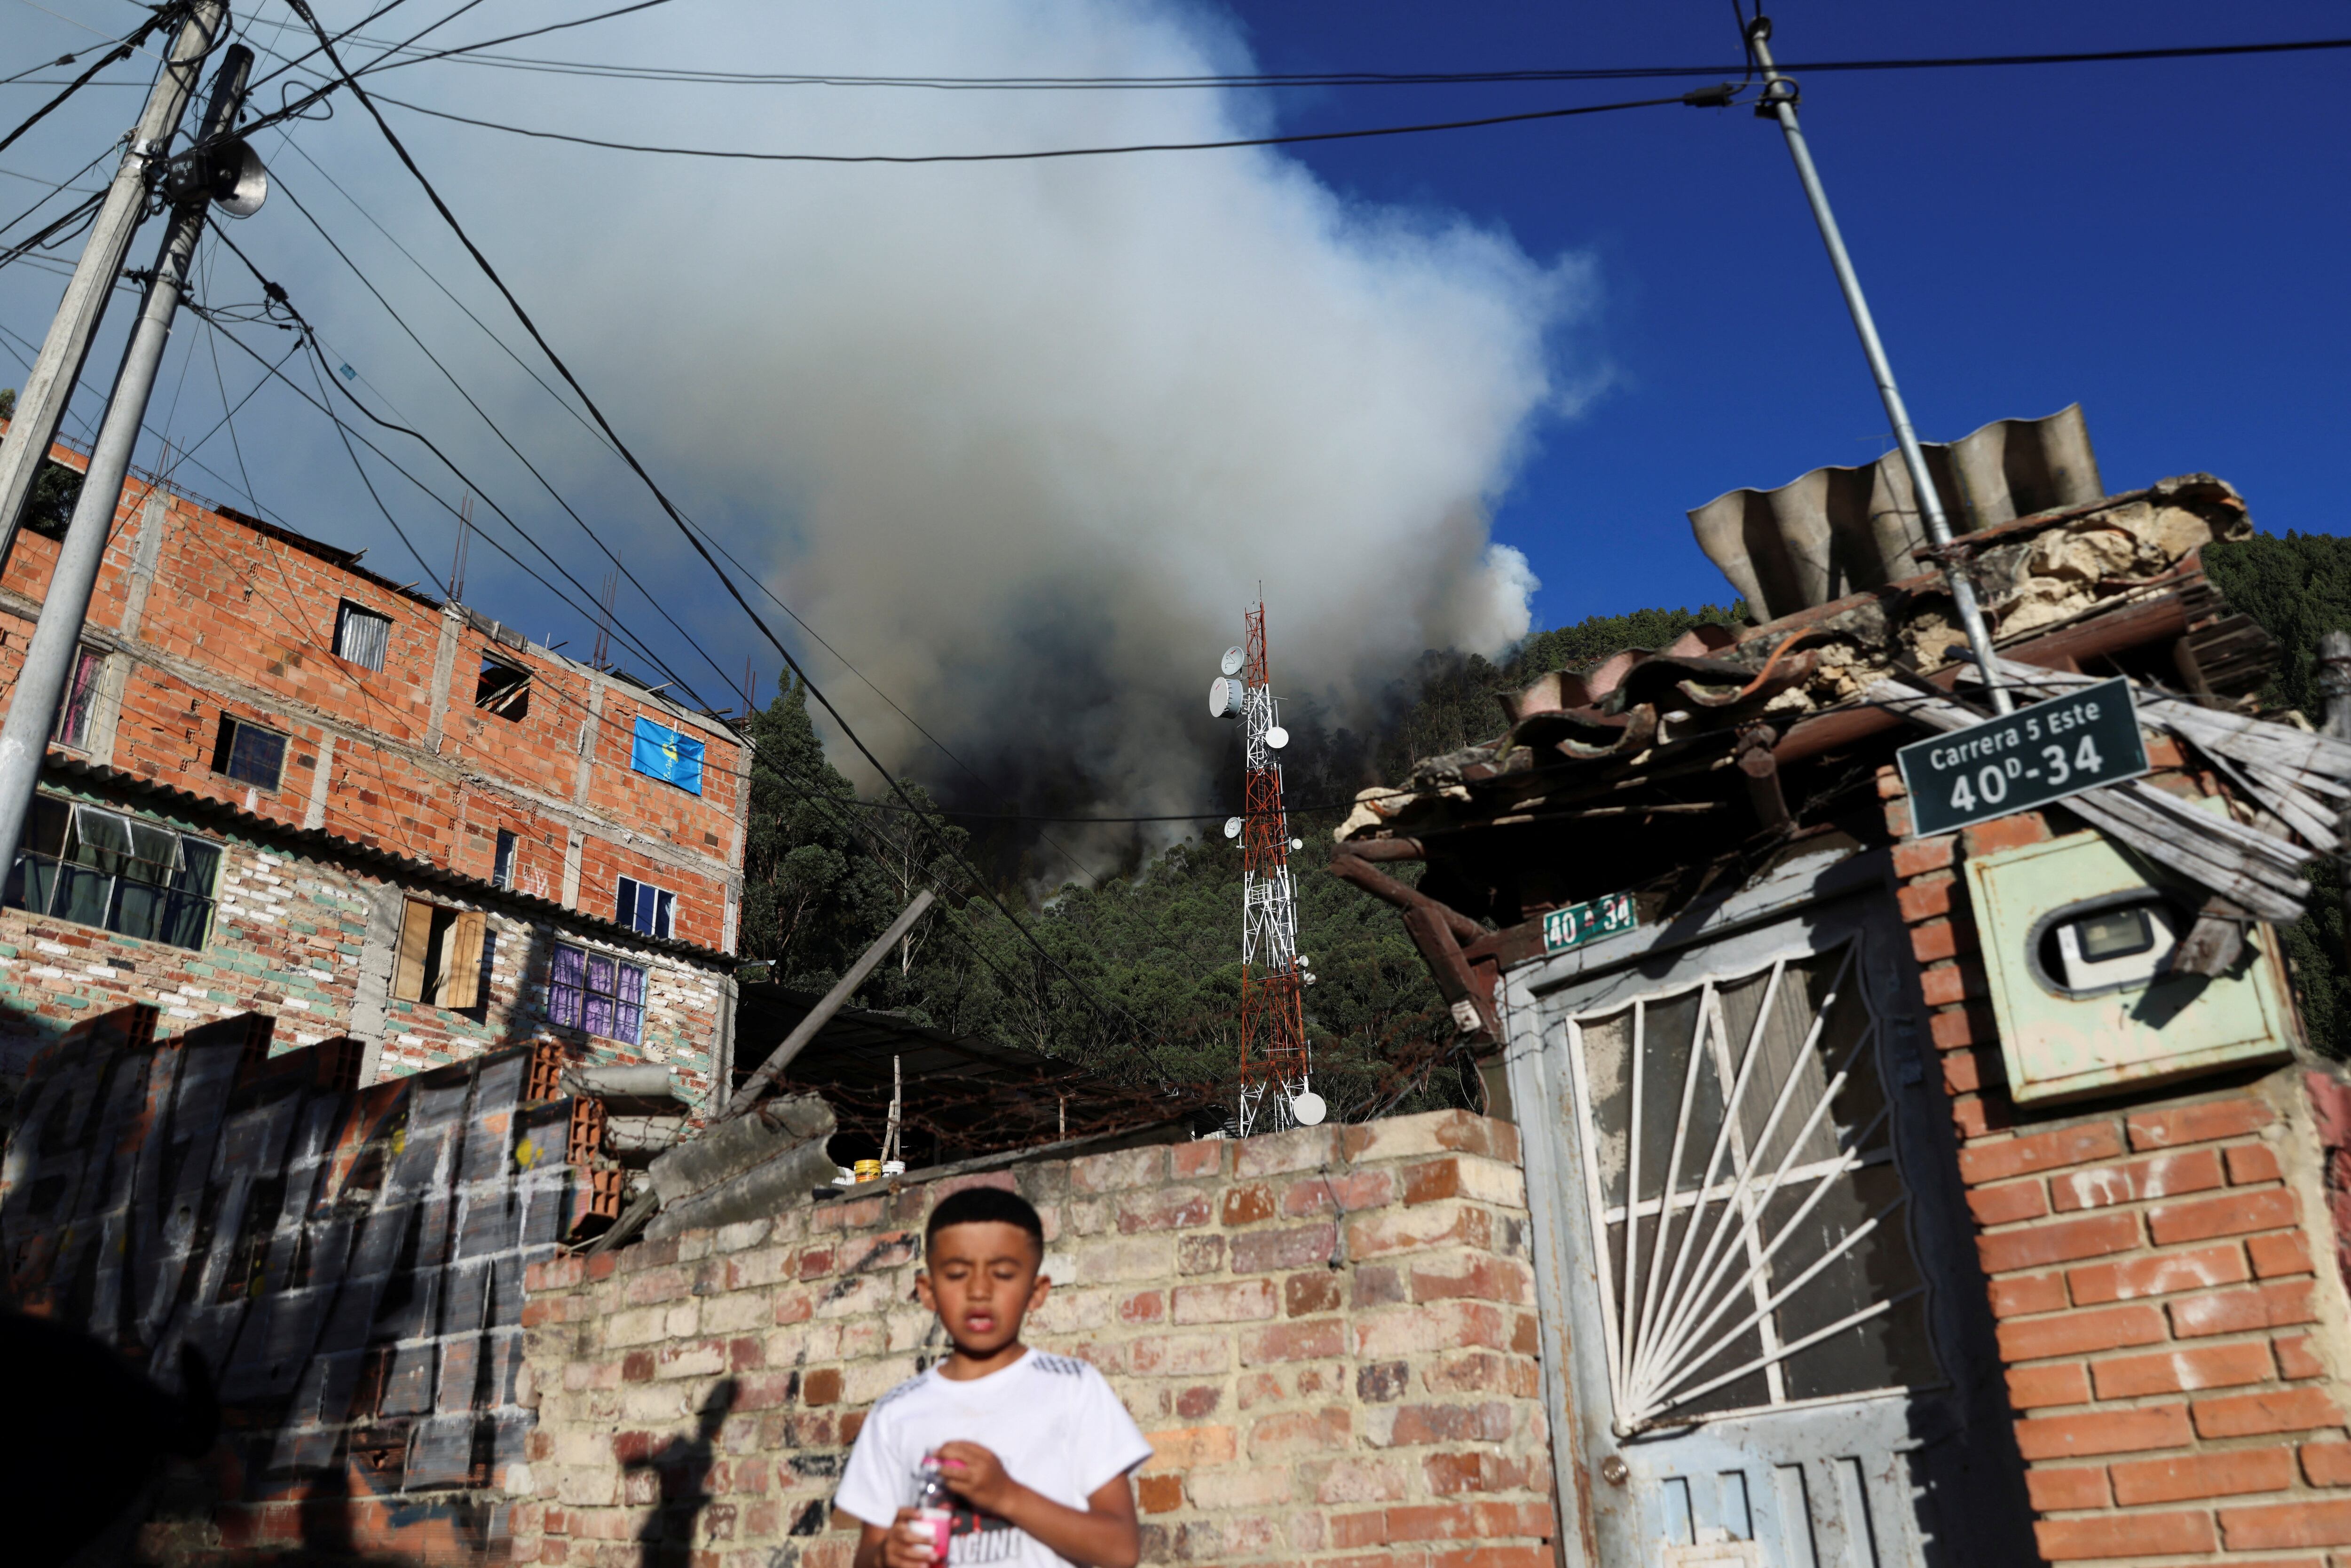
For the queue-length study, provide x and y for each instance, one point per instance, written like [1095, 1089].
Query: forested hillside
[2298, 586]
[1144, 965]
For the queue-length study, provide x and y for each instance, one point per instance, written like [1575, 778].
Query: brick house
[282, 783]
[1964, 1196]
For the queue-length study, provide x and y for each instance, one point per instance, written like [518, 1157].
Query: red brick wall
[1329, 1335]
[2172, 1354]
[237, 621]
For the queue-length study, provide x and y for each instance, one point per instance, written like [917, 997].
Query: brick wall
[1329, 1335]
[2173, 1356]
[201, 614]
[309, 941]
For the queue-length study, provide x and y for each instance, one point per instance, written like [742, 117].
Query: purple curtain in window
[599, 995]
[565, 989]
[629, 1021]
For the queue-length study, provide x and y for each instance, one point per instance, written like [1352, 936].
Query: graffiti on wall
[349, 1261]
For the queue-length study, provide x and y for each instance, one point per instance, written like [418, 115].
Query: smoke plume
[1021, 439]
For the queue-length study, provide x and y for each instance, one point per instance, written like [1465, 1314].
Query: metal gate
[1767, 1340]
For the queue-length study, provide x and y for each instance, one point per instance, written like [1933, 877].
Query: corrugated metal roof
[1837, 531]
[404, 870]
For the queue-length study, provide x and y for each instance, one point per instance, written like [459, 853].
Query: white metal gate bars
[1780, 1273]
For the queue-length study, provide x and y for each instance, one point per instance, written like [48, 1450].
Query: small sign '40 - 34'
[2026, 758]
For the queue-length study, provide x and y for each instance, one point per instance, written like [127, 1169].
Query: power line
[533, 468]
[1700, 98]
[302, 9]
[294, 108]
[121, 51]
[883, 854]
[1277, 80]
[598, 437]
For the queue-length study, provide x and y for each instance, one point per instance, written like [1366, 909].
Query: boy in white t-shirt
[1035, 1448]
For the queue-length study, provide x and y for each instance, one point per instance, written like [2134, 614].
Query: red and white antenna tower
[1274, 1053]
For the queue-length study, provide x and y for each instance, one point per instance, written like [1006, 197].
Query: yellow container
[868, 1170]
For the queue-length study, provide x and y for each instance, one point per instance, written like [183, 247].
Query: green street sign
[1580, 923]
[2030, 757]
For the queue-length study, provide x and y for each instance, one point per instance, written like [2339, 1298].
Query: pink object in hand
[942, 1523]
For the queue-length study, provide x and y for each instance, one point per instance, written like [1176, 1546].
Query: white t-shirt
[1052, 1420]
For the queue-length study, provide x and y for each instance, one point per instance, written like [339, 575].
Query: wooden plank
[461, 961]
[408, 964]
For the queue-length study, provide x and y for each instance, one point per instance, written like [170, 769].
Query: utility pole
[1780, 98]
[33, 707]
[41, 405]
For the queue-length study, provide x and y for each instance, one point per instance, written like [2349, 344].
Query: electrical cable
[294, 109]
[882, 852]
[62, 60]
[57, 189]
[121, 51]
[1700, 98]
[1282, 80]
[279, 299]
[598, 437]
[384, 9]
[471, 402]
[302, 8]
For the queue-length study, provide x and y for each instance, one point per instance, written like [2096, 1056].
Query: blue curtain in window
[663, 753]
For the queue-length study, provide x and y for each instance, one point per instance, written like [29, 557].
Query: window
[643, 907]
[50, 506]
[443, 956]
[362, 636]
[81, 697]
[663, 753]
[596, 992]
[248, 753]
[502, 869]
[503, 689]
[102, 868]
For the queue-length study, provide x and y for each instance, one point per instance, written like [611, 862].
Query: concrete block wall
[1329, 1335]
[2174, 1352]
[199, 614]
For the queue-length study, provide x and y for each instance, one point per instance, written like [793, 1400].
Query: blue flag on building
[662, 753]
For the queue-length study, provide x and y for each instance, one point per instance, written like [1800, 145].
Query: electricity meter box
[2077, 939]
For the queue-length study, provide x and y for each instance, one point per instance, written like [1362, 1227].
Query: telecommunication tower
[1274, 1054]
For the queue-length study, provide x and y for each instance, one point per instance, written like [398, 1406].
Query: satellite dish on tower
[1233, 661]
[1307, 1109]
[1232, 827]
[1224, 697]
[1275, 738]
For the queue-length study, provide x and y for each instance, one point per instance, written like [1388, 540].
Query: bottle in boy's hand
[934, 1505]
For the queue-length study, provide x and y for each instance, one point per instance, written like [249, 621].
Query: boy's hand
[909, 1542]
[977, 1476]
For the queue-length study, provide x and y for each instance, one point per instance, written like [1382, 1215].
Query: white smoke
[1021, 439]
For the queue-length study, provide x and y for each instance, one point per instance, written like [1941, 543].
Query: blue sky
[2162, 241]
[1038, 429]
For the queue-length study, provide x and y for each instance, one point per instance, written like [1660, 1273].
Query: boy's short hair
[985, 1206]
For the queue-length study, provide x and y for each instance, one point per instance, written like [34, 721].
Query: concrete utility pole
[41, 404]
[1780, 98]
[33, 707]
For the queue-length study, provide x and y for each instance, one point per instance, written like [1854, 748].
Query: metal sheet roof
[1837, 531]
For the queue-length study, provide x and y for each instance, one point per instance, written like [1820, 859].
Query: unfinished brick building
[282, 783]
